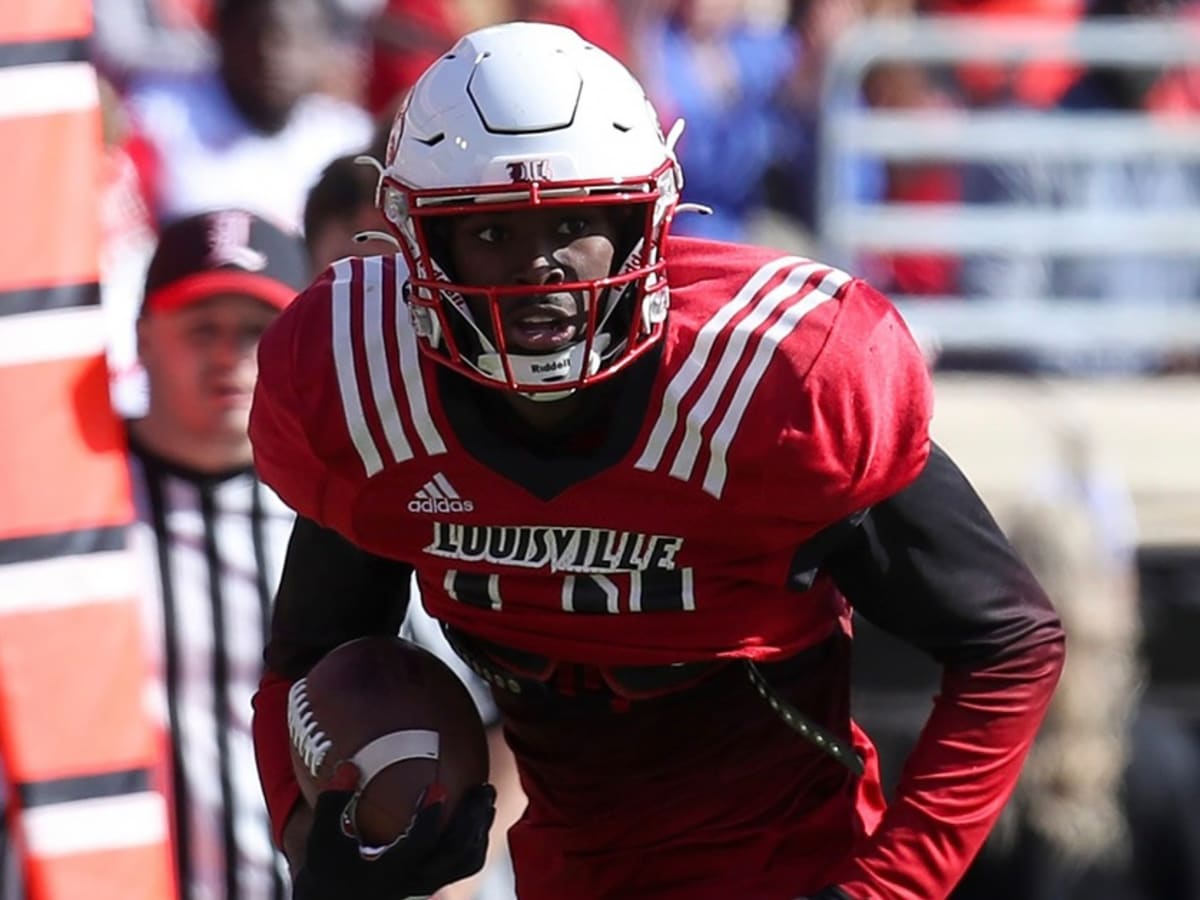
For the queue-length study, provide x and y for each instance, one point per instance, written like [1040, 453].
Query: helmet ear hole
[437, 237]
[630, 230]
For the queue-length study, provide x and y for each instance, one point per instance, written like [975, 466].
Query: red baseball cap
[227, 251]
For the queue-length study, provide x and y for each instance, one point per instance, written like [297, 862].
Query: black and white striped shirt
[212, 548]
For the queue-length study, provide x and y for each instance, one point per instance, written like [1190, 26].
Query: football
[401, 715]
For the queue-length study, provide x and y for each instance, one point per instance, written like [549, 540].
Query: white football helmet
[518, 116]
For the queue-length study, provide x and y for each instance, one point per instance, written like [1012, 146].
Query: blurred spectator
[1177, 92]
[1134, 183]
[707, 62]
[127, 241]
[908, 87]
[348, 38]
[1104, 186]
[1105, 809]
[1079, 476]
[599, 21]
[132, 38]
[408, 35]
[793, 184]
[1037, 83]
[341, 205]
[211, 536]
[252, 132]
[1144, 183]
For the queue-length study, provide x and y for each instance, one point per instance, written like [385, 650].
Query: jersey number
[628, 592]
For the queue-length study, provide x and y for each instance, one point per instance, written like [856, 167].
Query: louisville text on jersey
[560, 549]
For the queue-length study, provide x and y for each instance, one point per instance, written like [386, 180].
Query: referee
[210, 535]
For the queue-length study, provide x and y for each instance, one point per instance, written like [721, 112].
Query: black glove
[423, 860]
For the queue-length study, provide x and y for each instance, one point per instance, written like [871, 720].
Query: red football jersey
[786, 397]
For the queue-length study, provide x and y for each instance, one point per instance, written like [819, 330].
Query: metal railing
[1021, 229]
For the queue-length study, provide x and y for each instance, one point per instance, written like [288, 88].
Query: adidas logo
[438, 496]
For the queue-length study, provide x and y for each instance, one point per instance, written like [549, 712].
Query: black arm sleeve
[330, 592]
[931, 566]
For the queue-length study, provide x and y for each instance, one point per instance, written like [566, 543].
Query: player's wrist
[295, 834]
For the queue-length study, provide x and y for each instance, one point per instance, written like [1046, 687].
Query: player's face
[271, 56]
[540, 247]
[201, 364]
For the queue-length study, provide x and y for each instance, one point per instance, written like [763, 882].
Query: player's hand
[424, 859]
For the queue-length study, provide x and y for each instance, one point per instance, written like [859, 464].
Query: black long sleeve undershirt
[330, 592]
[931, 566]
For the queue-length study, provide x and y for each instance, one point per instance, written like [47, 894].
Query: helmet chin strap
[564, 365]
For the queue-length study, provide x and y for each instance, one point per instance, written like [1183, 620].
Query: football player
[643, 481]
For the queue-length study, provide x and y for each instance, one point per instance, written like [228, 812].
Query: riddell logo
[438, 496]
[542, 368]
